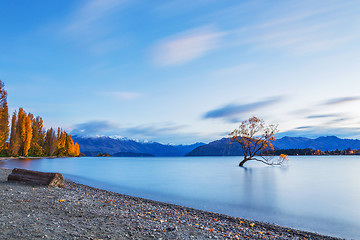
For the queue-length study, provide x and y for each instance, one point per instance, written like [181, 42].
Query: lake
[313, 193]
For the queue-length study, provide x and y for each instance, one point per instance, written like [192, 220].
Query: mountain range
[92, 146]
[223, 147]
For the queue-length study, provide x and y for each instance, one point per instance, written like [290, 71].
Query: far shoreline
[22, 157]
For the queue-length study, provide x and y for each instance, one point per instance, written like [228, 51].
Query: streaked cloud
[186, 46]
[232, 111]
[152, 130]
[91, 25]
[161, 132]
[92, 11]
[94, 128]
[318, 131]
[336, 101]
[323, 116]
[302, 29]
[302, 127]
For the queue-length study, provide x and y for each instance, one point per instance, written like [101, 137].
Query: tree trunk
[42, 178]
[243, 162]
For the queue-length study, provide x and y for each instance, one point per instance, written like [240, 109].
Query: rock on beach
[81, 212]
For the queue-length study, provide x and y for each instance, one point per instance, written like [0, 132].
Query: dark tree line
[309, 151]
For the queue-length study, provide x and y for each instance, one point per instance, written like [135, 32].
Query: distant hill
[223, 148]
[220, 147]
[320, 143]
[91, 146]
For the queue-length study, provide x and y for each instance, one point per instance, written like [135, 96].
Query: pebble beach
[82, 212]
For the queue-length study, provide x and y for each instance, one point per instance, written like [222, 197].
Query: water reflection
[259, 189]
[315, 194]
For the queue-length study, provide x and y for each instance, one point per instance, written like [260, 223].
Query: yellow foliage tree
[70, 146]
[255, 136]
[77, 150]
[13, 137]
[65, 145]
[21, 130]
[28, 135]
[50, 142]
[4, 117]
[38, 138]
[28, 138]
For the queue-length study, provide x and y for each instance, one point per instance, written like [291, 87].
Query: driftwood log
[42, 178]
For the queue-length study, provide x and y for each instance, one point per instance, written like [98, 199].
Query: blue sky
[184, 71]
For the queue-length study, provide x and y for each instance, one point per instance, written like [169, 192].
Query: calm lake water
[315, 193]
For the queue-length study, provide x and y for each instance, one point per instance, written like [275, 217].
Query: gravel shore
[81, 212]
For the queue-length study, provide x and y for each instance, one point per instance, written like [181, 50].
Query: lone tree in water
[255, 136]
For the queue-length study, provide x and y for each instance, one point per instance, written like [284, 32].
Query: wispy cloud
[154, 130]
[302, 127]
[232, 112]
[91, 12]
[161, 132]
[340, 120]
[318, 131]
[323, 116]
[186, 46]
[300, 28]
[301, 15]
[91, 26]
[94, 128]
[336, 101]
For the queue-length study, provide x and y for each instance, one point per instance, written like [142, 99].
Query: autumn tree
[18, 133]
[14, 141]
[76, 150]
[28, 135]
[254, 136]
[50, 142]
[38, 137]
[21, 134]
[4, 117]
[65, 145]
[69, 145]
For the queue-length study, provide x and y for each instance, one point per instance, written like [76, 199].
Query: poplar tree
[20, 132]
[4, 117]
[50, 142]
[13, 137]
[61, 140]
[38, 134]
[28, 135]
[77, 150]
[65, 145]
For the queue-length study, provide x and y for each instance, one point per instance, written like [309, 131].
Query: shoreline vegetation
[28, 137]
[310, 151]
[82, 212]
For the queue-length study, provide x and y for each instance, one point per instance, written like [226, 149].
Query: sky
[181, 71]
